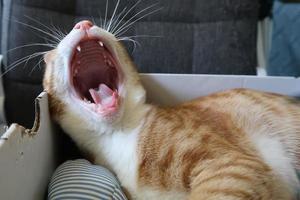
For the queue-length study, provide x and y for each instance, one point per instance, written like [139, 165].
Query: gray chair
[195, 36]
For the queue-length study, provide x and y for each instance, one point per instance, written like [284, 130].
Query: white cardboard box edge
[171, 89]
[27, 158]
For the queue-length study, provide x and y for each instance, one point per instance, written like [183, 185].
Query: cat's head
[91, 79]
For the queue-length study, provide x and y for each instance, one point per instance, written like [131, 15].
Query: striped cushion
[79, 179]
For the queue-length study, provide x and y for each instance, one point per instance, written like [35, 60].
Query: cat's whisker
[128, 26]
[113, 15]
[120, 21]
[55, 29]
[39, 30]
[100, 20]
[93, 20]
[106, 8]
[135, 43]
[134, 18]
[139, 36]
[45, 26]
[55, 37]
[128, 39]
[116, 21]
[21, 60]
[51, 42]
[26, 58]
[47, 39]
[40, 23]
[25, 64]
[38, 64]
[59, 32]
[31, 45]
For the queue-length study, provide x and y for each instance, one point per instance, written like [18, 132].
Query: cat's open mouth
[95, 76]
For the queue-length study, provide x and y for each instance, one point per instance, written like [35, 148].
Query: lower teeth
[87, 101]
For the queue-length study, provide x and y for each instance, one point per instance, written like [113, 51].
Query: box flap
[27, 156]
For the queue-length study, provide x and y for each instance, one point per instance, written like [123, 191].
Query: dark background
[187, 36]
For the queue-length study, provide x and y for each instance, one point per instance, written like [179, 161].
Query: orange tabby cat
[234, 145]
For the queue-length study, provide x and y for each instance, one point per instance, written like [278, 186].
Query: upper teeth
[101, 44]
[78, 48]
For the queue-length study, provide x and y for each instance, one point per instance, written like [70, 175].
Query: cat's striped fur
[206, 145]
[234, 145]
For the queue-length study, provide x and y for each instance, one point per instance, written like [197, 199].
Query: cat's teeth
[86, 101]
[101, 44]
[108, 62]
[78, 48]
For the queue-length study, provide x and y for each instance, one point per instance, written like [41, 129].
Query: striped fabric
[79, 179]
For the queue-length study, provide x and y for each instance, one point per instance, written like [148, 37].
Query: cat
[236, 144]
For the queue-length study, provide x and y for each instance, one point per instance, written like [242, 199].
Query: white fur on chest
[112, 146]
[116, 151]
[120, 153]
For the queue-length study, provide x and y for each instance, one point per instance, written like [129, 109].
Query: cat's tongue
[104, 96]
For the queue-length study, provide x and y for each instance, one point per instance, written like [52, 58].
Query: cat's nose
[84, 25]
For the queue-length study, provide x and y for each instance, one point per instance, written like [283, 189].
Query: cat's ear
[49, 56]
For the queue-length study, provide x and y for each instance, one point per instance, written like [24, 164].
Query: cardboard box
[28, 156]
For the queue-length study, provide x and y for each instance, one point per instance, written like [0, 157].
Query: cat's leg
[239, 178]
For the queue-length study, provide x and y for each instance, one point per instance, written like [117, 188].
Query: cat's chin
[96, 77]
